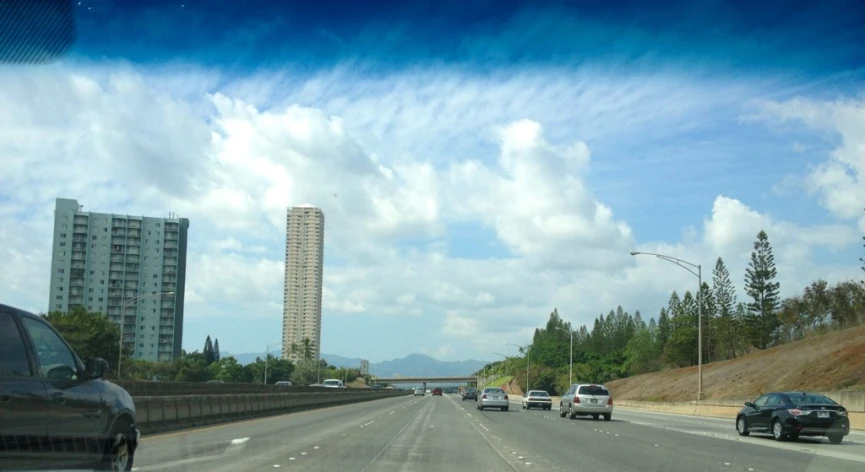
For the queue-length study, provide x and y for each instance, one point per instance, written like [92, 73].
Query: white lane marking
[520, 457]
[275, 466]
[239, 440]
[316, 447]
[291, 458]
[726, 463]
[528, 463]
[302, 453]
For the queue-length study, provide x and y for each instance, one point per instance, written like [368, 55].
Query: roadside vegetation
[621, 344]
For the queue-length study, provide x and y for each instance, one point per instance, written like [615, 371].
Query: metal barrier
[156, 414]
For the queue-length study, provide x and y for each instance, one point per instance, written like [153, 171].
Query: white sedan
[537, 398]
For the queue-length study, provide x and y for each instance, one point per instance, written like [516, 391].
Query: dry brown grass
[833, 361]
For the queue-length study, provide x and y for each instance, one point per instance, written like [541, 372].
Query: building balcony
[133, 233]
[79, 256]
[134, 224]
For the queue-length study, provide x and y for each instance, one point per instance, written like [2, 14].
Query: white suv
[586, 400]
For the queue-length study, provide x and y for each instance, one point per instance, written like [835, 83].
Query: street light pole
[123, 306]
[527, 348]
[699, 273]
[571, 365]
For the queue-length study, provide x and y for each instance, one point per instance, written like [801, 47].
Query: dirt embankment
[833, 361]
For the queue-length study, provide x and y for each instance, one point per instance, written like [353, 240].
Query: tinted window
[13, 357]
[494, 391]
[775, 400]
[536, 393]
[593, 390]
[761, 401]
[55, 359]
[810, 400]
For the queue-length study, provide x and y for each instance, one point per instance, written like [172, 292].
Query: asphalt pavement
[445, 434]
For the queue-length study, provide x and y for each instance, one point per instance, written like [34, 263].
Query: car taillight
[795, 412]
[506, 397]
[484, 396]
[610, 402]
[576, 399]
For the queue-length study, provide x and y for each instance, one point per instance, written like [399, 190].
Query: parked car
[332, 383]
[792, 414]
[537, 398]
[586, 400]
[418, 391]
[283, 383]
[437, 391]
[470, 394]
[56, 411]
[493, 397]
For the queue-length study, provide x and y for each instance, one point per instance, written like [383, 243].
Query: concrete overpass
[429, 380]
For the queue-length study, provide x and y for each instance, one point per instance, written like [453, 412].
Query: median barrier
[148, 388]
[156, 414]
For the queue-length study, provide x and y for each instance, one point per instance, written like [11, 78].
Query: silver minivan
[587, 400]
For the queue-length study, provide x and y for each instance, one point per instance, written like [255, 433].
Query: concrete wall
[157, 414]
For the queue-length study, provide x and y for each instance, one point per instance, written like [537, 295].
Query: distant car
[418, 391]
[493, 397]
[470, 394]
[332, 383]
[53, 407]
[437, 391]
[283, 383]
[537, 398]
[793, 414]
[587, 400]
[215, 381]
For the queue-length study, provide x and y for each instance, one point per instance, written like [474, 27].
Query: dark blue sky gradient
[819, 38]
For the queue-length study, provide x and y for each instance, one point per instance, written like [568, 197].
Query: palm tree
[307, 349]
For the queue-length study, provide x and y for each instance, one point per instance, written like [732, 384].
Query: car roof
[19, 312]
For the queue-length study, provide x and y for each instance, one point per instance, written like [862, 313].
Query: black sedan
[470, 394]
[792, 414]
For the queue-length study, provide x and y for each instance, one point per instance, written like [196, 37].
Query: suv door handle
[58, 397]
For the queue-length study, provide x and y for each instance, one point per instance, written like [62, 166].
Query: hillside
[833, 361]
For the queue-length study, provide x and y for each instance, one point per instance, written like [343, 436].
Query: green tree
[90, 334]
[725, 303]
[642, 353]
[760, 285]
[710, 322]
[664, 329]
[216, 355]
[304, 374]
[229, 370]
[208, 351]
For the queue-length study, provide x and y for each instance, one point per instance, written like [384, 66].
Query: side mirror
[749, 404]
[61, 372]
[95, 368]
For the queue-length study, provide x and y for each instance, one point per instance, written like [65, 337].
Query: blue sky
[479, 162]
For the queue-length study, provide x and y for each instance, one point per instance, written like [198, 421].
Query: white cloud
[482, 155]
[840, 180]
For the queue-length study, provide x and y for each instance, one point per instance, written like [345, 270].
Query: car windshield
[331, 382]
[810, 399]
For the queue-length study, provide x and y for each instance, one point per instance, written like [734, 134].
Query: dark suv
[470, 394]
[56, 411]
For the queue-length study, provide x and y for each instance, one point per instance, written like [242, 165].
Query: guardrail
[148, 388]
[156, 414]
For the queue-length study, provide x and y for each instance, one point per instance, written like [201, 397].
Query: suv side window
[13, 356]
[56, 361]
[775, 400]
[761, 401]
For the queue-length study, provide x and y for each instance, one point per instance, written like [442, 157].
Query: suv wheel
[778, 430]
[119, 450]
[561, 411]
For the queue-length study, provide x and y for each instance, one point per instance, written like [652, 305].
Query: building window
[100, 299]
[60, 289]
[102, 282]
[105, 230]
[91, 272]
[140, 344]
[60, 297]
[92, 246]
[154, 276]
[89, 307]
[62, 235]
[59, 271]
[90, 299]
[94, 238]
[59, 307]
[62, 243]
[89, 290]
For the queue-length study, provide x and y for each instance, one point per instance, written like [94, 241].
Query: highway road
[445, 433]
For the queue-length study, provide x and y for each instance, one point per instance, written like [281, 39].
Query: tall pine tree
[707, 305]
[216, 355]
[664, 329]
[208, 350]
[725, 304]
[760, 285]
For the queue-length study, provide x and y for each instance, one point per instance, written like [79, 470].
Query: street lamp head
[634, 253]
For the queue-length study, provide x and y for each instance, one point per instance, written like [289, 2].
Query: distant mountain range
[413, 365]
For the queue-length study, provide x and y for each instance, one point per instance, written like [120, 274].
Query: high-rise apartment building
[127, 265]
[364, 367]
[304, 263]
